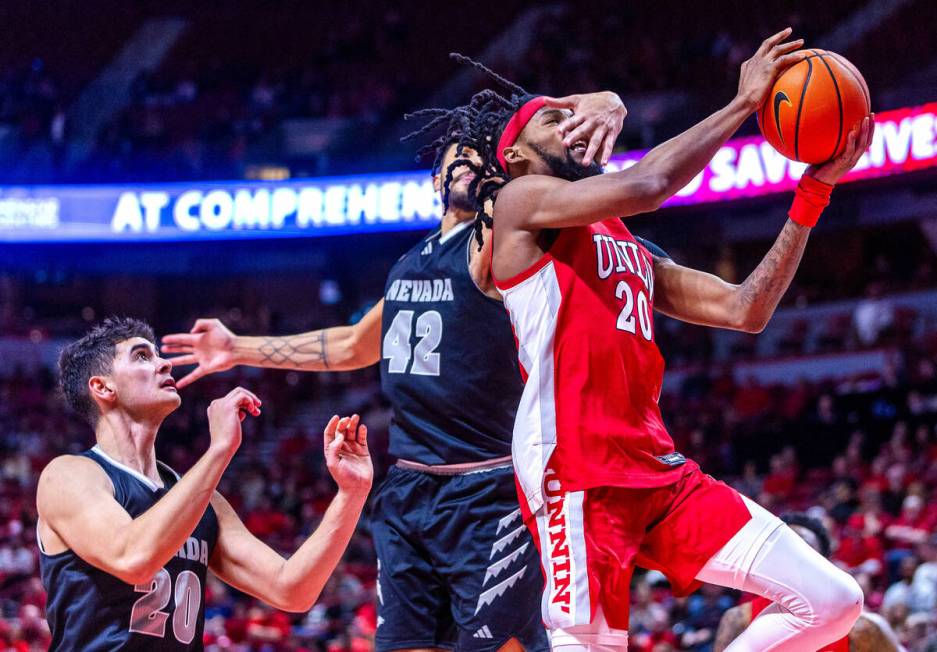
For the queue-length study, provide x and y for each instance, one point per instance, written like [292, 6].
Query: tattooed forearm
[760, 293]
[339, 348]
[306, 351]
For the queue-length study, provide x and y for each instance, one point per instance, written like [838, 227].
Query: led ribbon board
[905, 140]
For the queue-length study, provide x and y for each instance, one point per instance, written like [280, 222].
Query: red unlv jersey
[583, 319]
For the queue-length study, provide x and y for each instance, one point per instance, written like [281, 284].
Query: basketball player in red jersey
[871, 633]
[602, 488]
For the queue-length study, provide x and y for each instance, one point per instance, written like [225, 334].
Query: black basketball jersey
[449, 364]
[91, 610]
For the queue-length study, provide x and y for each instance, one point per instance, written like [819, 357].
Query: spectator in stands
[900, 591]
[923, 595]
[912, 527]
[874, 315]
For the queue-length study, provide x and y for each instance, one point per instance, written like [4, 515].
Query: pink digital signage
[905, 140]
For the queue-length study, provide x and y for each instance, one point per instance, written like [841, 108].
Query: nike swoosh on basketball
[780, 97]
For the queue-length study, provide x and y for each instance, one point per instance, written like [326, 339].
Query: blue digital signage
[189, 211]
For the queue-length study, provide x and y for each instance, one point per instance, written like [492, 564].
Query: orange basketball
[812, 107]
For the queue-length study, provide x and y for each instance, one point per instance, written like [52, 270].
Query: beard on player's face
[458, 189]
[460, 200]
[566, 167]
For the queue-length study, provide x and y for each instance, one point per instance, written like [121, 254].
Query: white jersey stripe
[534, 306]
[582, 610]
[566, 599]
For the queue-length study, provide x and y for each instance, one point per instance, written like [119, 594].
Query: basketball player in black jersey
[126, 543]
[456, 566]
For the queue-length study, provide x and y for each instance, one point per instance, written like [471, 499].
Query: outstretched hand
[857, 143]
[597, 118]
[210, 345]
[772, 57]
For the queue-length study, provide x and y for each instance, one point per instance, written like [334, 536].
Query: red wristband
[810, 198]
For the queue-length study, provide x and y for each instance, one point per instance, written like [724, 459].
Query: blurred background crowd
[243, 85]
[832, 410]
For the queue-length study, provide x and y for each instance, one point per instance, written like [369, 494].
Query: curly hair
[477, 125]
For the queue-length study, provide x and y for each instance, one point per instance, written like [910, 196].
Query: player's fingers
[235, 394]
[867, 125]
[342, 427]
[565, 102]
[330, 428]
[253, 397]
[182, 360]
[352, 430]
[598, 136]
[773, 40]
[788, 60]
[177, 348]
[239, 394]
[329, 438]
[850, 150]
[252, 405]
[190, 377]
[859, 142]
[362, 436]
[784, 48]
[569, 124]
[180, 339]
[871, 134]
[359, 446]
[580, 132]
[608, 146]
[202, 325]
[335, 445]
[246, 402]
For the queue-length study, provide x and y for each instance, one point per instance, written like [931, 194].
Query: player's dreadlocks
[477, 125]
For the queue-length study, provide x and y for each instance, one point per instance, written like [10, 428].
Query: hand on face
[597, 119]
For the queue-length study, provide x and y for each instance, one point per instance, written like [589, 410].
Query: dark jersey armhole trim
[652, 248]
[468, 265]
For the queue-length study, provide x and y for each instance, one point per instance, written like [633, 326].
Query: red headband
[516, 125]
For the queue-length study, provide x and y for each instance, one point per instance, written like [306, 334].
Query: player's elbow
[298, 606]
[743, 323]
[753, 325]
[293, 600]
[135, 570]
[654, 191]
[746, 316]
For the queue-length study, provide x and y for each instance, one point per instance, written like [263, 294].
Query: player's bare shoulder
[521, 197]
[66, 477]
[64, 481]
